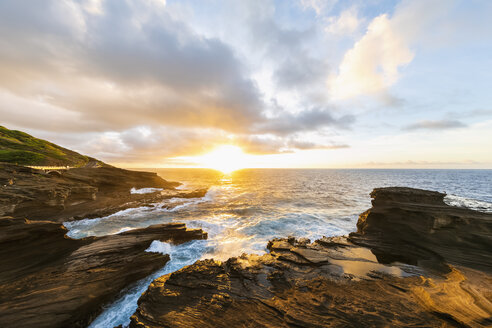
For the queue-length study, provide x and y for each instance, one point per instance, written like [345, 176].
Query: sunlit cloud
[291, 83]
[372, 64]
[345, 24]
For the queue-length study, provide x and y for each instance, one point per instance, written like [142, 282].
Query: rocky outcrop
[329, 283]
[378, 277]
[77, 193]
[50, 280]
[416, 226]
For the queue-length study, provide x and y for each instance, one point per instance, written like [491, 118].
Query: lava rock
[50, 280]
[394, 271]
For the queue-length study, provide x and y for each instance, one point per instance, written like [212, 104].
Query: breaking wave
[241, 212]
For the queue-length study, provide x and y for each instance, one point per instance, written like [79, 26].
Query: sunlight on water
[243, 210]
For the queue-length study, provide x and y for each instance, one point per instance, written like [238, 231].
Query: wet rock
[50, 280]
[416, 226]
[394, 272]
[79, 192]
[300, 286]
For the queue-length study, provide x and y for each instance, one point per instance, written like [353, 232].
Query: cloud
[319, 6]
[435, 125]
[130, 64]
[309, 120]
[286, 49]
[372, 65]
[139, 144]
[300, 72]
[137, 81]
[344, 24]
[109, 67]
[303, 145]
[276, 145]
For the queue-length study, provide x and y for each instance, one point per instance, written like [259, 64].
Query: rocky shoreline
[79, 193]
[413, 262]
[50, 280]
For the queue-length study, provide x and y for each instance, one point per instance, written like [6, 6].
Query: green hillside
[23, 149]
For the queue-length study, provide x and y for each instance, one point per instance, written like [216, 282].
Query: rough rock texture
[335, 282]
[50, 280]
[77, 193]
[416, 226]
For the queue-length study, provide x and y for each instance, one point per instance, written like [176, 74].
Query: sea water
[243, 210]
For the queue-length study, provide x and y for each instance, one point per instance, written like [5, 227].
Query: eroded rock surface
[380, 276]
[50, 280]
[78, 193]
[416, 226]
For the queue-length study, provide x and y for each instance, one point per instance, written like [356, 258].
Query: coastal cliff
[417, 227]
[414, 261]
[78, 193]
[49, 280]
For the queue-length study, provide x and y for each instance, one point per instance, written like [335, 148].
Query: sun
[225, 158]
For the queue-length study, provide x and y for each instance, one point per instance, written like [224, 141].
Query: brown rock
[78, 193]
[298, 287]
[416, 226]
[49, 280]
[344, 282]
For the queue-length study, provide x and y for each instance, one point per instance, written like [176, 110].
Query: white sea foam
[144, 190]
[84, 228]
[75, 228]
[213, 192]
[120, 311]
[473, 204]
[241, 214]
[132, 218]
[182, 186]
[189, 202]
[186, 202]
[160, 247]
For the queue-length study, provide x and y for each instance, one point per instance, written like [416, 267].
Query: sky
[300, 83]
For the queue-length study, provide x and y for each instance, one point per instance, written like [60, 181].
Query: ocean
[244, 209]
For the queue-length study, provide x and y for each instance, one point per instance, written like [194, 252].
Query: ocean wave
[182, 186]
[133, 218]
[242, 213]
[119, 312]
[144, 190]
[85, 228]
[473, 204]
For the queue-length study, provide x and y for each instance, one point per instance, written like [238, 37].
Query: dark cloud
[303, 145]
[308, 120]
[129, 66]
[136, 83]
[299, 72]
[288, 49]
[435, 125]
[275, 145]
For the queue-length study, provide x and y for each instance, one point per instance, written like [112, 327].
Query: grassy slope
[21, 148]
